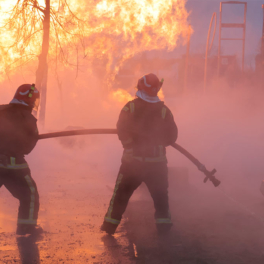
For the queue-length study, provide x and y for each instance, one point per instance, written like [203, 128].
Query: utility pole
[42, 71]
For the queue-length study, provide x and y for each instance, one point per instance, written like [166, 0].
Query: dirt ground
[209, 227]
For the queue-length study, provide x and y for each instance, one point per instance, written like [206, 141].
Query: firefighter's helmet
[27, 94]
[150, 83]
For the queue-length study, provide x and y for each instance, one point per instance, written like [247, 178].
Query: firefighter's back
[151, 122]
[18, 130]
[150, 127]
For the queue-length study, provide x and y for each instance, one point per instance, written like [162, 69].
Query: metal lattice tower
[231, 25]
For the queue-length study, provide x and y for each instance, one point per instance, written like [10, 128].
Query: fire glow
[112, 31]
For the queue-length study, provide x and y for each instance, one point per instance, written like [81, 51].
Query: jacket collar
[144, 96]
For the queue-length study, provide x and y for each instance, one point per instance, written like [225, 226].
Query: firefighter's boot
[164, 229]
[109, 228]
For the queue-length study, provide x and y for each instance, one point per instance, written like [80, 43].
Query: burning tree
[29, 23]
[96, 32]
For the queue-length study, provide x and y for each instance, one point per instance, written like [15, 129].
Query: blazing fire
[105, 32]
[121, 96]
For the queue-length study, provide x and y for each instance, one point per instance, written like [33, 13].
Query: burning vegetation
[100, 34]
[86, 57]
[46, 40]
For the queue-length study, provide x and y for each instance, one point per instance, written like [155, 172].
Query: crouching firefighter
[145, 128]
[18, 137]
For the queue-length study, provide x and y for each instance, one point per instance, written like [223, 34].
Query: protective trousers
[19, 183]
[130, 176]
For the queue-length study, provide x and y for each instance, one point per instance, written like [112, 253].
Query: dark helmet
[27, 94]
[150, 83]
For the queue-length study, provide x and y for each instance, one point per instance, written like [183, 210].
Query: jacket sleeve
[30, 135]
[171, 130]
[124, 126]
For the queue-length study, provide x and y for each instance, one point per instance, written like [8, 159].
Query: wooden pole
[42, 71]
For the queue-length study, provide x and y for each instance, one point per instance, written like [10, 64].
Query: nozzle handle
[211, 177]
[215, 181]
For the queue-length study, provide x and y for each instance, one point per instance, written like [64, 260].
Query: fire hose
[209, 174]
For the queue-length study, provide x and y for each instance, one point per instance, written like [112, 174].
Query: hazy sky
[200, 16]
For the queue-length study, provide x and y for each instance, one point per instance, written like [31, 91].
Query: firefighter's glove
[201, 167]
[3, 160]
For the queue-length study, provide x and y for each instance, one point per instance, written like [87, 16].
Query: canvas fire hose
[209, 174]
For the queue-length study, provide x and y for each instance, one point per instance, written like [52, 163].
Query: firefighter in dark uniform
[18, 137]
[145, 127]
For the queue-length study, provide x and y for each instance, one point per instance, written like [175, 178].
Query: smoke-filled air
[131, 131]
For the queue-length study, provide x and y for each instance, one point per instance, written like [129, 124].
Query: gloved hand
[3, 160]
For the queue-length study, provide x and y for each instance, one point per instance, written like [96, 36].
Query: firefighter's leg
[24, 188]
[157, 183]
[126, 183]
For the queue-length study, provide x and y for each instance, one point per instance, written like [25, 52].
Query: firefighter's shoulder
[166, 112]
[129, 107]
[4, 107]
[29, 119]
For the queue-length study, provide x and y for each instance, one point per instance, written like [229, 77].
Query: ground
[209, 227]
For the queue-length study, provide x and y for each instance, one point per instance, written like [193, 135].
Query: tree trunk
[42, 70]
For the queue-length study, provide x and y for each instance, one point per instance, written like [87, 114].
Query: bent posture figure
[18, 137]
[145, 127]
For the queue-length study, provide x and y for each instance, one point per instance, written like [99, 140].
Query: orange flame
[161, 95]
[121, 96]
[113, 32]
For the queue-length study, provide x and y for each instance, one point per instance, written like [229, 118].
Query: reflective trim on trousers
[111, 220]
[30, 219]
[163, 221]
[14, 167]
[27, 221]
[32, 196]
[157, 159]
[110, 209]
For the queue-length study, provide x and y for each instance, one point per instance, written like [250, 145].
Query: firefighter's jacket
[145, 129]
[18, 132]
